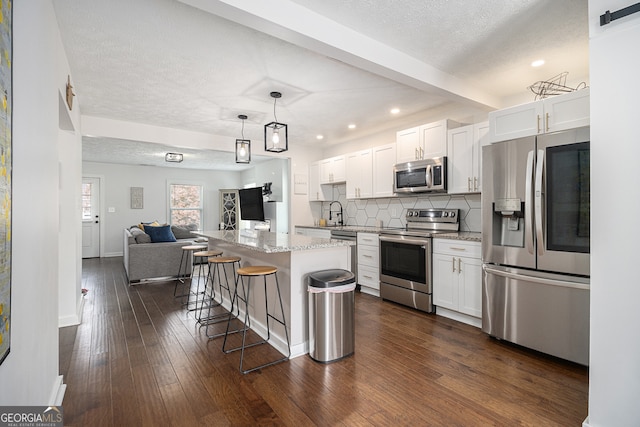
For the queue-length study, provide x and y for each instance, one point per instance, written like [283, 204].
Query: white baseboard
[585, 423]
[460, 317]
[57, 393]
[74, 319]
[112, 254]
[370, 291]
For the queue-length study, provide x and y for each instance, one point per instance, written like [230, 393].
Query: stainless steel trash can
[331, 314]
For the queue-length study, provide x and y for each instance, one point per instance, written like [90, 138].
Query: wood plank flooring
[138, 358]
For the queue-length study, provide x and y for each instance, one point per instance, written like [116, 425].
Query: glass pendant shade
[276, 135]
[243, 151]
[243, 146]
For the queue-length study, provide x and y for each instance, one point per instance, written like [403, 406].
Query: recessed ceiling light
[352, 126]
[537, 63]
[395, 110]
[319, 136]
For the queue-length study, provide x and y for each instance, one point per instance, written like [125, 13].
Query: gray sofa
[145, 260]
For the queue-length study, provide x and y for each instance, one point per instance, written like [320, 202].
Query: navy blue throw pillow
[160, 233]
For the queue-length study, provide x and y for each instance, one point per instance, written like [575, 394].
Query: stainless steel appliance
[535, 243]
[405, 257]
[421, 176]
[352, 237]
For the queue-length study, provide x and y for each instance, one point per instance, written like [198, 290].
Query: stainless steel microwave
[421, 176]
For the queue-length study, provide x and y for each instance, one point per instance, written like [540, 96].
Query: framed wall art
[6, 54]
[137, 197]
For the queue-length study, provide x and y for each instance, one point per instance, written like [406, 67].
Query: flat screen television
[251, 204]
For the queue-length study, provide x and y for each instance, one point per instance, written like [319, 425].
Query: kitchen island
[295, 257]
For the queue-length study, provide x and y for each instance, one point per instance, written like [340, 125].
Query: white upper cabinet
[464, 164]
[384, 158]
[423, 142]
[552, 114]
[332, 170]
[316, 192]
[359, 170]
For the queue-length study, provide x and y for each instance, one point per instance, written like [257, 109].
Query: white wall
[614, 375]
[29, 375]
[118, 179]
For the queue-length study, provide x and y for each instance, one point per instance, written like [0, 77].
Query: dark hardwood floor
[139, 359]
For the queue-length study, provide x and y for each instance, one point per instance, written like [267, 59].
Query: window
[185, 204]
[86, 200]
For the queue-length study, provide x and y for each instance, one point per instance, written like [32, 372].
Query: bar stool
[215, 264]
[187, 251]
[249, 272]
[200, 256]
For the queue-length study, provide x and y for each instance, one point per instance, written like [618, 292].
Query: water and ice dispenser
[508, 222]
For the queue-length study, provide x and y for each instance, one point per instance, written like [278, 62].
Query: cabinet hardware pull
[367, 277]
[415, 154]
[475, 183]
[459, 265]
[538, 125]
[469, 183]
[547, 122]
[453, 265]
[453, 248]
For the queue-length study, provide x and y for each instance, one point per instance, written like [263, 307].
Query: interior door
[90, 217]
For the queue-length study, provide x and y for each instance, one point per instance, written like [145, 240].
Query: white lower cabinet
[369, 263]
[457, 280]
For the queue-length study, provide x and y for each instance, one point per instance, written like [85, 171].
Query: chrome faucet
[341, 221]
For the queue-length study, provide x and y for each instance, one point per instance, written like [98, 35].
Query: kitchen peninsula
[295, 256]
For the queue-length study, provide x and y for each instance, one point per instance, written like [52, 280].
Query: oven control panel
[432, 215]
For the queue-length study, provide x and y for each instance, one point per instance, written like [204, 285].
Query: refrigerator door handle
[534, 279]
[538, 202]
[528, 216]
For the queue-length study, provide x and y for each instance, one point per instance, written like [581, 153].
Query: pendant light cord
[274, 109]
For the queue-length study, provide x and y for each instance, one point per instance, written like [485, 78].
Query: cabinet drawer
[369, 277]
[370, 239]
[368, 256]
[456, 248]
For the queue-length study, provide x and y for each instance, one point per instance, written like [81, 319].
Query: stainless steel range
[405, 257]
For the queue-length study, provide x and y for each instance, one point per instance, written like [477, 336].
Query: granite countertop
[471, 236]
[356, 228]
[268, 242]
[460, 235]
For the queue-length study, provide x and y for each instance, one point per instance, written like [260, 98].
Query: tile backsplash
[391, 211]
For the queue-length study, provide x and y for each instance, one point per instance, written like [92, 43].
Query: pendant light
[243, 146]
[276, 137]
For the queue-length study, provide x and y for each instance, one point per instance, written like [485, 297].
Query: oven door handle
[424, 242]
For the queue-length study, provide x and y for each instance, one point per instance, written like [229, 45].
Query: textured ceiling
[165, 63]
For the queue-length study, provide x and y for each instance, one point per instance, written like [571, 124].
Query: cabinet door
[368, 255]
[315, 189]
[359, 169]
[516, 122]
[470, 286]
[567, 111]
[460, 168]
[353, 177]
[480, 139]
[445, 284]
[384, 157]
[407, 145]
[339, 169]
[369, 277]
[433, 138]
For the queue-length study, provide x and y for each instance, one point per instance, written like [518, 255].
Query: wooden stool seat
[257, 270]
[223, 259]
[207, 253]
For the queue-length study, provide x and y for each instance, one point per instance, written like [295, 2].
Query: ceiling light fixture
[537, 63]
[173, 157]
[243, 146]
[319, 136]
[276, 135]
[352, 126]
[395, 111]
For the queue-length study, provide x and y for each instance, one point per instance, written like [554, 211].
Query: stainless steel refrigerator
[535, 243]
